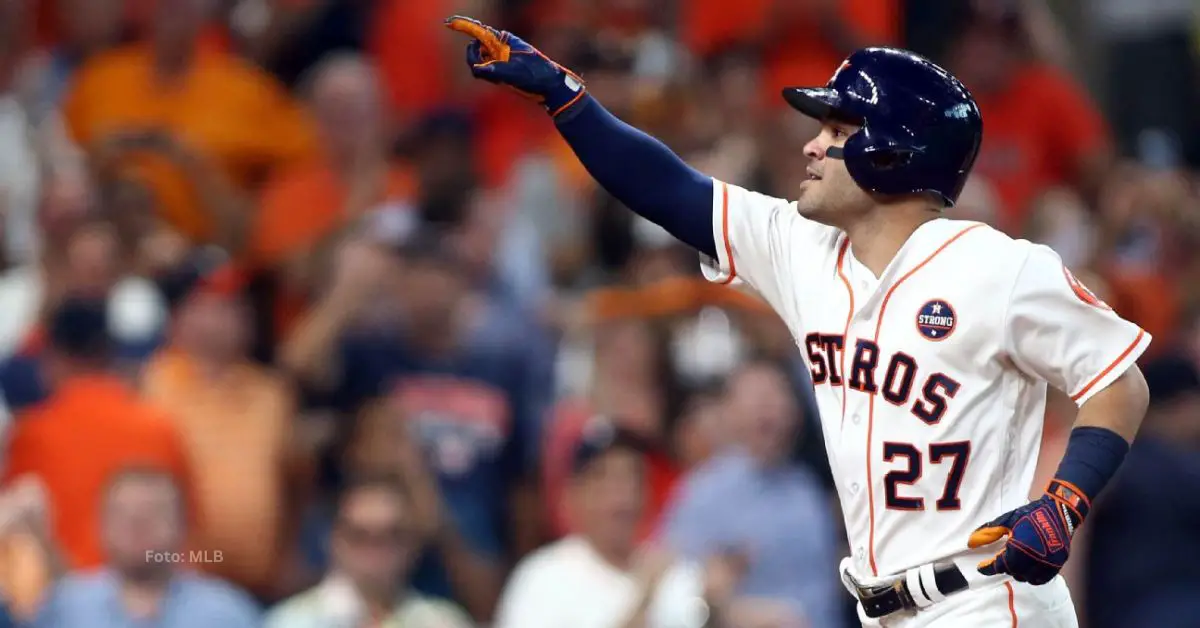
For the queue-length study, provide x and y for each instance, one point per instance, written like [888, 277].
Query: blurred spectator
[802, 42]
[597, 576]
[398, 28]
[375, 544]
[1042, 129]
[91, 426]
[232, 113]
[1153, 112]
[1060, 220]
[414, 338]
[1147, 235]
[728, 124]
[624, 375]
[235, 418]
[145, 577]
[89, 263]
[85, 28]
[289, 38]
[1143, 558]
[751, 498]
[29, 560]
[441, 148]
[132, 201]
[19, 158]
[700, 429]
[305, 209]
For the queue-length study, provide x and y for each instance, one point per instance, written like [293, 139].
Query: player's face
[828, 194]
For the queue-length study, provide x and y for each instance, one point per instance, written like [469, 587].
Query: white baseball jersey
[930, 379]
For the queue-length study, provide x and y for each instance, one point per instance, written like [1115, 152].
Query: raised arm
[637, 169]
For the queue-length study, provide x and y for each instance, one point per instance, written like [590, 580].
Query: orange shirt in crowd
[234, 429]
[233, 113]
[304, 204]
[1148, 298]
[508, 126]
[802, 53]
[299, 208]
[90, 429]
[408, 40]
[675, 296]
[1035, 133]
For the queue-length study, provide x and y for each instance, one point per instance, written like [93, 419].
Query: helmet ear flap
[856, 155]
[877, 164]
[887, 159]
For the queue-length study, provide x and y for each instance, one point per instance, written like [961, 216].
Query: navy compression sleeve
[642, 173]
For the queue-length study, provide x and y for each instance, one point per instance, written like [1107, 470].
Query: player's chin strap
[835, 152]
[916, 588]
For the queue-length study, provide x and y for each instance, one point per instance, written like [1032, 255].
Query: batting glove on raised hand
[503, 58]
[1039, 535]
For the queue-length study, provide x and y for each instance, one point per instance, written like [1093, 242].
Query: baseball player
[930, 341]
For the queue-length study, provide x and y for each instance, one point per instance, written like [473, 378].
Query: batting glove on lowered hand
[503, 58]
[1039, 535]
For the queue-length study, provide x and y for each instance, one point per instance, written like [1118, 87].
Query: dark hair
[78, 328]
[600, 436]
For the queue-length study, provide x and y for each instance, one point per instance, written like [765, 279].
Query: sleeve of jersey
[749, 230]
[1057, 330]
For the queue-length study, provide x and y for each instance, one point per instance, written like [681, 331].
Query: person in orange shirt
[92, 426]
[802, 42]
[401, 28]
[1040, 128]
[234, 418]
[236, 115]
[305, 208]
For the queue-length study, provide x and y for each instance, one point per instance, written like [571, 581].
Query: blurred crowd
[302, 328]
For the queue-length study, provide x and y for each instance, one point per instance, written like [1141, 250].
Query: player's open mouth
[812, 176]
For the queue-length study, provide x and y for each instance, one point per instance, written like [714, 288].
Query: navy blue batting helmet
[921, 128]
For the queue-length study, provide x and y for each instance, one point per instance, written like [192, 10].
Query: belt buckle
[882, 599]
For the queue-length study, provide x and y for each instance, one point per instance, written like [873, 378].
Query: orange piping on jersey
[871, 403]
[1120, 358]
[1012, 603]
[849, 317]
[725, 234]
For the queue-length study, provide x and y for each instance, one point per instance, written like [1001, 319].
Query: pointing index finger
[487, 36]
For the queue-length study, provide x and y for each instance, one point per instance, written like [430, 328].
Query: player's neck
[878, 235]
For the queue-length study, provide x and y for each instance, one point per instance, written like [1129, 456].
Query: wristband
[567, 92]
[1092, 458]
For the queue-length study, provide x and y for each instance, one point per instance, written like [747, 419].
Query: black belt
[916, 588]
